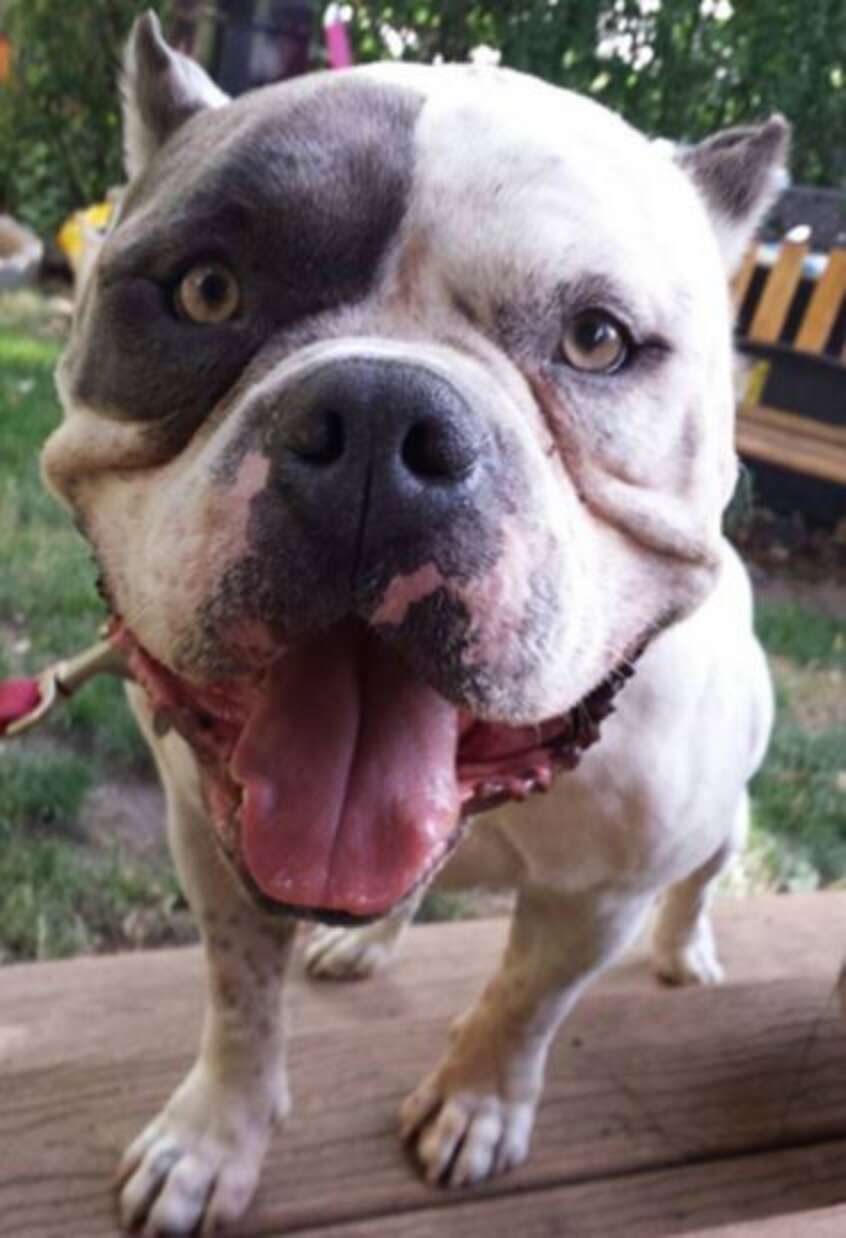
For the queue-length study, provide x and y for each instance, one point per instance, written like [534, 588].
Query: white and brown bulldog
[399, 417]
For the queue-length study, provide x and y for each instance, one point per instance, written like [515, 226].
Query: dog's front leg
[473, 1116]
[198, 1162]
[196, 1165]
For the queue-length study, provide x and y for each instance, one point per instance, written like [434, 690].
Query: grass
[48, 601]
[799, 797]
[799, 800]
[795, 632]
[62, 892]
[58, 895]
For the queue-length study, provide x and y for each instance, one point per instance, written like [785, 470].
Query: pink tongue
[348, 769]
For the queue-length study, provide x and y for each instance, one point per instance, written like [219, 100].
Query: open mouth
[337, 781]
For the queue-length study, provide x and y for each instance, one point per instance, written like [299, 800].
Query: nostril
[318, 439]
[435, 451]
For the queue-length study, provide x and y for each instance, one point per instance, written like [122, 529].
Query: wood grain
[783, 280]
[821, 314]
[644, 1084]
[832, 437]
[648, 1205]
[814, 454]
[819, 1223]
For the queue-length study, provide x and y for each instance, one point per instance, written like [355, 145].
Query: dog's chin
[338, 782]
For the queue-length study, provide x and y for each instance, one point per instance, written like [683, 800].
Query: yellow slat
[824, 305]
[783, 279]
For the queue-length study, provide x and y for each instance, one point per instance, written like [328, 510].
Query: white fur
[520, 189]
[198, 1162]
[659, 805]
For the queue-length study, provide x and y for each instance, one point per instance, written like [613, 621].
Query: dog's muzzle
[377, 497]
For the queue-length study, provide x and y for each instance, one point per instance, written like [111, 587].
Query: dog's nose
[400, 419]
[393, 436]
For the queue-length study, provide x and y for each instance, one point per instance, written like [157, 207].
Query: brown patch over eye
[593, 341]
[208, 293]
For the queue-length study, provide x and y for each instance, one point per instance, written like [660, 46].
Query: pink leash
[338, 50]
[18, 699]
[24, 702]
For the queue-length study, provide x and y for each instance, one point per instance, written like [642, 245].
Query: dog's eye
[596, 342]
[208, 293]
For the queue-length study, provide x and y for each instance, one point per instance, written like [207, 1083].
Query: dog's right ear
[739, 174]
[161, 89]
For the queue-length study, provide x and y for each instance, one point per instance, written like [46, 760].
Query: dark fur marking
[435, 639]
[299, 579]
[734, 168]
[300, 191]
[155, 83]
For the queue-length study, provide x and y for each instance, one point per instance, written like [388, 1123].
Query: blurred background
[676, 67]
[82, 860]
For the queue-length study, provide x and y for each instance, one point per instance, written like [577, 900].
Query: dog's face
[399, 415]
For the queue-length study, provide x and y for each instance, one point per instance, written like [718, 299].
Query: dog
[398, 414]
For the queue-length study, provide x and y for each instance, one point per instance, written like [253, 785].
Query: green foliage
[59, 115]
[680, 68]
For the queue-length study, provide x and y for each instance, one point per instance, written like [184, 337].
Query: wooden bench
[718, 1112]
[793, 333]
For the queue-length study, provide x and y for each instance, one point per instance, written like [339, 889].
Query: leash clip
[60, 681]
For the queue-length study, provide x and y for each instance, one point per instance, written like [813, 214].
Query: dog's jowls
[399, 418]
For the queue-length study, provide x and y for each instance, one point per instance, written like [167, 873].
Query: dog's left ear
[739, 173]
[161, 90]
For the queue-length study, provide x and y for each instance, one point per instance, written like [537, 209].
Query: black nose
[390, 439]
[407, 421]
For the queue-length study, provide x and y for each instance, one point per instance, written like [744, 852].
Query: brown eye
[208, 293]
[595, 342]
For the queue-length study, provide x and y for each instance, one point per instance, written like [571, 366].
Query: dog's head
[399, 416]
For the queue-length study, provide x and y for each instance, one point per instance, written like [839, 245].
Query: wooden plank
[447, 963]
[642, 1079]
[824, 432]
[824, 306]
[649, 1205]
[782, 282]
[820, 1223]
[789, 450]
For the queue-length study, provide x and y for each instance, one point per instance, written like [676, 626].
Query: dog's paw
[194, 1169]
[693, 962]
[462, 1136]
[349, 954]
